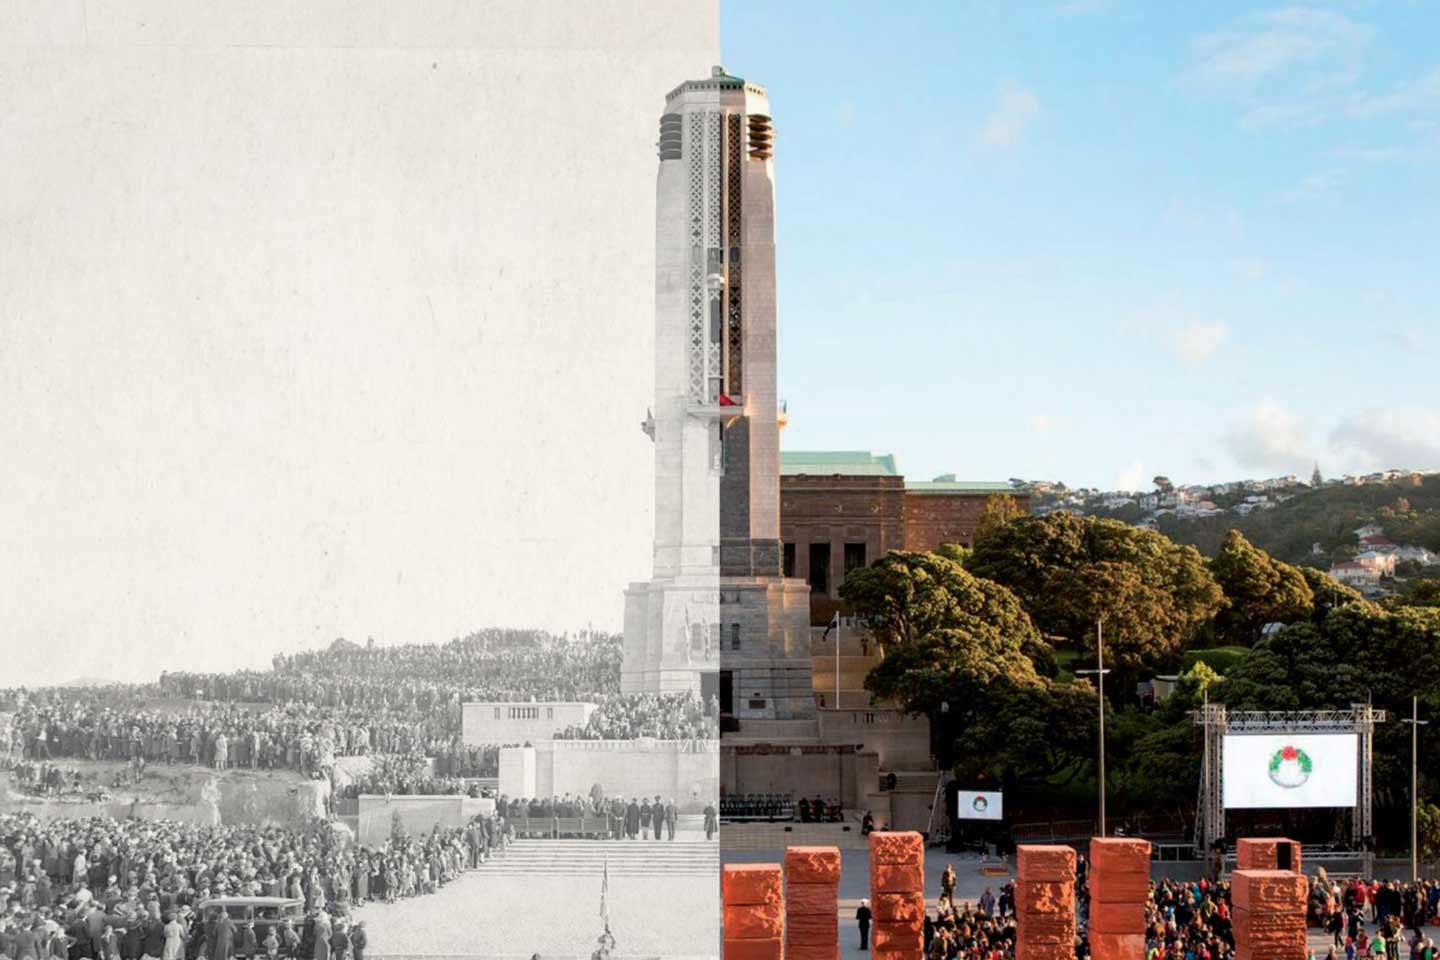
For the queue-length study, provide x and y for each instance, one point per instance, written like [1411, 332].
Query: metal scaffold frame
[1360, 719]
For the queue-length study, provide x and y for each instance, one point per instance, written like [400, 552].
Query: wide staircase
[777, 836]
[626, 858]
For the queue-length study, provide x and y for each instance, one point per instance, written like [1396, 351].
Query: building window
[820, 568]
[549, 713]
[734, 636]
[788, 560]
[854, 557]
[497, 713]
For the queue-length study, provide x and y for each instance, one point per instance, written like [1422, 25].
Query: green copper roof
[949, 484]
[850, 463]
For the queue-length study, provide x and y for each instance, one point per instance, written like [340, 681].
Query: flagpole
[837, 659]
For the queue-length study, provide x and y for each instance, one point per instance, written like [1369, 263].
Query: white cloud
[1049, 423]
[1382, 439]
[1274, 43]
[1269, 437]
[1415, 95]
[1197, 342]
[1133, 478]
[1005, 126]
[1311, 187]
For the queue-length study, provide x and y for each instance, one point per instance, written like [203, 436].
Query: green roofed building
[842, 509]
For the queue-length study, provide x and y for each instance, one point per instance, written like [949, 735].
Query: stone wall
[418, 814]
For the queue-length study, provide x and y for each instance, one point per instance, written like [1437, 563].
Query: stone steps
[626, 858]
[777, 836]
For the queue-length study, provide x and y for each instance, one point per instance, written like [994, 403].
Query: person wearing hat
[174, 948]
[862, 920]
[358, 940]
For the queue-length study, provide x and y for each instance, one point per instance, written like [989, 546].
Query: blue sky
[1096, 241]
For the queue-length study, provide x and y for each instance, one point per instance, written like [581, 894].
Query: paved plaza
[482, 915]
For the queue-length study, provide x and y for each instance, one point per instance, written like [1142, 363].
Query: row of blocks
[770, 914]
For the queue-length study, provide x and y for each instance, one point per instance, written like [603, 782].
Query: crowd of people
[1191, 920]
[664, 716]
[406, 775]
[112, 889]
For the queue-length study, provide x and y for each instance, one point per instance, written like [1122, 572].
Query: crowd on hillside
[1192, 920]
[119, 890]
[667, 716]
[410, 774]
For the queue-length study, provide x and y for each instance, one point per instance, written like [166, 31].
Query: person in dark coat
[645, 819]
[245, 943]
[712, 821]
[632, 820]
[358, 941]
[224, 948]
[862, 920]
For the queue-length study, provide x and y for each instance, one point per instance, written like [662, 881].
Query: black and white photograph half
[381, 411]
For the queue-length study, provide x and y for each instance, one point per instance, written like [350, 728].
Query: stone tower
[717, 616]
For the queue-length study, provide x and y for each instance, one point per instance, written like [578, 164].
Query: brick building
[845, 509]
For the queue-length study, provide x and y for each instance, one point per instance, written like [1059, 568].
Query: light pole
[1415, 724]
[1099, 674]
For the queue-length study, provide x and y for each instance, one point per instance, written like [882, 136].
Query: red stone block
[1246, 923]
[1116, 946]
[753, 921]
[812, 929]
[897, 847]
[894, 954]
[897, 936]
[1117, 917]
[811, 899]
[898, 907]
[742, 883]
[1044, 862]
[1262, 853]
[1045, 929]
[1268, 891]
[771, 949]
[897, 877]
[1044, 897]
[1119, 869]
[1046, 951]
[812, 951]
[812, 864]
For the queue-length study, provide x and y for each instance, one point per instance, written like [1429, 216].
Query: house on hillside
[1382, 563]
[1369, 530]
[1355, 574]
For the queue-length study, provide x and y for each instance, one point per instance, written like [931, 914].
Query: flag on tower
[834, 625]
[727, 402]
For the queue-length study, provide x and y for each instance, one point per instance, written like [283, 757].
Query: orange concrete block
[742, 883]
[897, 936]
[1046, 951]
[753, 921]
[812, 864]
[897, 877]
[905, 846]
[814, 929]
[1117, 917]
[1116, 946]
[1044, 897]
[898, 907]
[812, 951]
[893, 954]
[1246, 923]
[1271, 891]
[1119, 869]
[1262, 853]
[808, 899]
[771, 949]
[1045, 862]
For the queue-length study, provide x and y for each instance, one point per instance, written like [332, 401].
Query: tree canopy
[1070, 571]
[1258, 590]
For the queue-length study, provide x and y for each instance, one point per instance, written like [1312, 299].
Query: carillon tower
[718, 616]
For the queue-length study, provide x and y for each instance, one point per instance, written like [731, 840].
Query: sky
[1100, 240]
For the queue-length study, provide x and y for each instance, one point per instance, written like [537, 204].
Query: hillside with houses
[1376, 532]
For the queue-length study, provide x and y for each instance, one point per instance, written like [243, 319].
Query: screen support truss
[1360, 719]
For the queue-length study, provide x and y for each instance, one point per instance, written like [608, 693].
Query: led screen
[1271, 770]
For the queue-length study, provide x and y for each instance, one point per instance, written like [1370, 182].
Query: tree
[1428, 824]
[1025, 734]
[947, 635]
[1316, 480]
[1259, 590]
[1422, 593]
[1066, 569]
[955, 551]
[1328, 592]
[1163, 484]
[999, 509]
